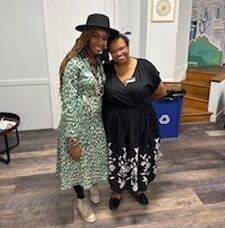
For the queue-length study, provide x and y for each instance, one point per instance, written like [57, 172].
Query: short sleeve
[153, 75]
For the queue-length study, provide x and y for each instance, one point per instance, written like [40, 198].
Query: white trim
[116, 14]
[180, 72]
[135, 27]
[217, 116]
[109, 11]
[148, 26]
[169, 80]
[51, 17]
[216, 100]
[24, 82]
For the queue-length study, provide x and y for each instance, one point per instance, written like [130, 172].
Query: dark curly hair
[116, 37]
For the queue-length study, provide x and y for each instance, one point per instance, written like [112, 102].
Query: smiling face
[97, 42]
[119, 51]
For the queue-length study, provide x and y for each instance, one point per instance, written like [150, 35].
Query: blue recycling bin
[168, 111]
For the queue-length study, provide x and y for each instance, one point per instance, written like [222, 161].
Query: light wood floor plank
[189, 190]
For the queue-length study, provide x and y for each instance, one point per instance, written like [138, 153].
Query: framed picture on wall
[163, 10]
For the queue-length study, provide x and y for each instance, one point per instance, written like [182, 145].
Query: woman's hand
[75, 150]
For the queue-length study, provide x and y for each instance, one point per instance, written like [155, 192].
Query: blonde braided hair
[79, 46]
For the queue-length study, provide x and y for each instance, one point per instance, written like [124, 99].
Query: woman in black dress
[130, 123]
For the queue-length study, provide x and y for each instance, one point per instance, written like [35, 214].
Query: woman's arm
[159, 92]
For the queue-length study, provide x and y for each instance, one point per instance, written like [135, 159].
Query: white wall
[127, 19]
[167, 42]
[182, 39]
[24, 80]
[164, 44]
[143, 28]
[35, 36]
[61, 18]
[161, 44]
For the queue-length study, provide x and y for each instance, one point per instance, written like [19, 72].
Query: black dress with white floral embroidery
[131, 127]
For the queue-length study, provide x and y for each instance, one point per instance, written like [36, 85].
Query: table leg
[17, 137]
[7, 148]
[7, 151]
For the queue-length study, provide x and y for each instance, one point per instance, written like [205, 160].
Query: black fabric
[131, 127]
[79, 191]
[141, 198]
[114, 203]
[97, 20]
[136, 93]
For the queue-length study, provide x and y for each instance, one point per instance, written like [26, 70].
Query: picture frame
[163, 10]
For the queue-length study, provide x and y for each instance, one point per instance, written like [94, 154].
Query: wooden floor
[189, 190]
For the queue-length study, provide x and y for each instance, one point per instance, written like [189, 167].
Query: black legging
[79, 191]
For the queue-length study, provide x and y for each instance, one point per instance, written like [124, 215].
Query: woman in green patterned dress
[82, 149]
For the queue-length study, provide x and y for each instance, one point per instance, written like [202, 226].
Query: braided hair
[79, 46]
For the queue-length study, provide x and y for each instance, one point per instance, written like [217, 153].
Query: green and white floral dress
[81, 117]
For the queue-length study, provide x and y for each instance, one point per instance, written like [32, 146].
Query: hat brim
[81, 28]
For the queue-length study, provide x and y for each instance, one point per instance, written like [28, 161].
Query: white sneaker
[94, 194]
[85, 210]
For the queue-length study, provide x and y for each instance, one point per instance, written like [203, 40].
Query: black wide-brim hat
[97, 20]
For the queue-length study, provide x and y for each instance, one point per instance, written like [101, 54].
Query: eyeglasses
[118, 50]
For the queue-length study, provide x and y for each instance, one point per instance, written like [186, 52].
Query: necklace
[97, 72]
[98, 81]
[94, 70]
[93, 61]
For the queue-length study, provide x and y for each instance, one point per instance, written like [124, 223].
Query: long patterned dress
[81, 117]
[131, 128]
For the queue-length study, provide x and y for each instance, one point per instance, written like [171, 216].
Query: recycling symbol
[164, 119]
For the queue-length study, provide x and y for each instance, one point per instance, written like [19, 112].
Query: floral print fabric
[81, 118]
